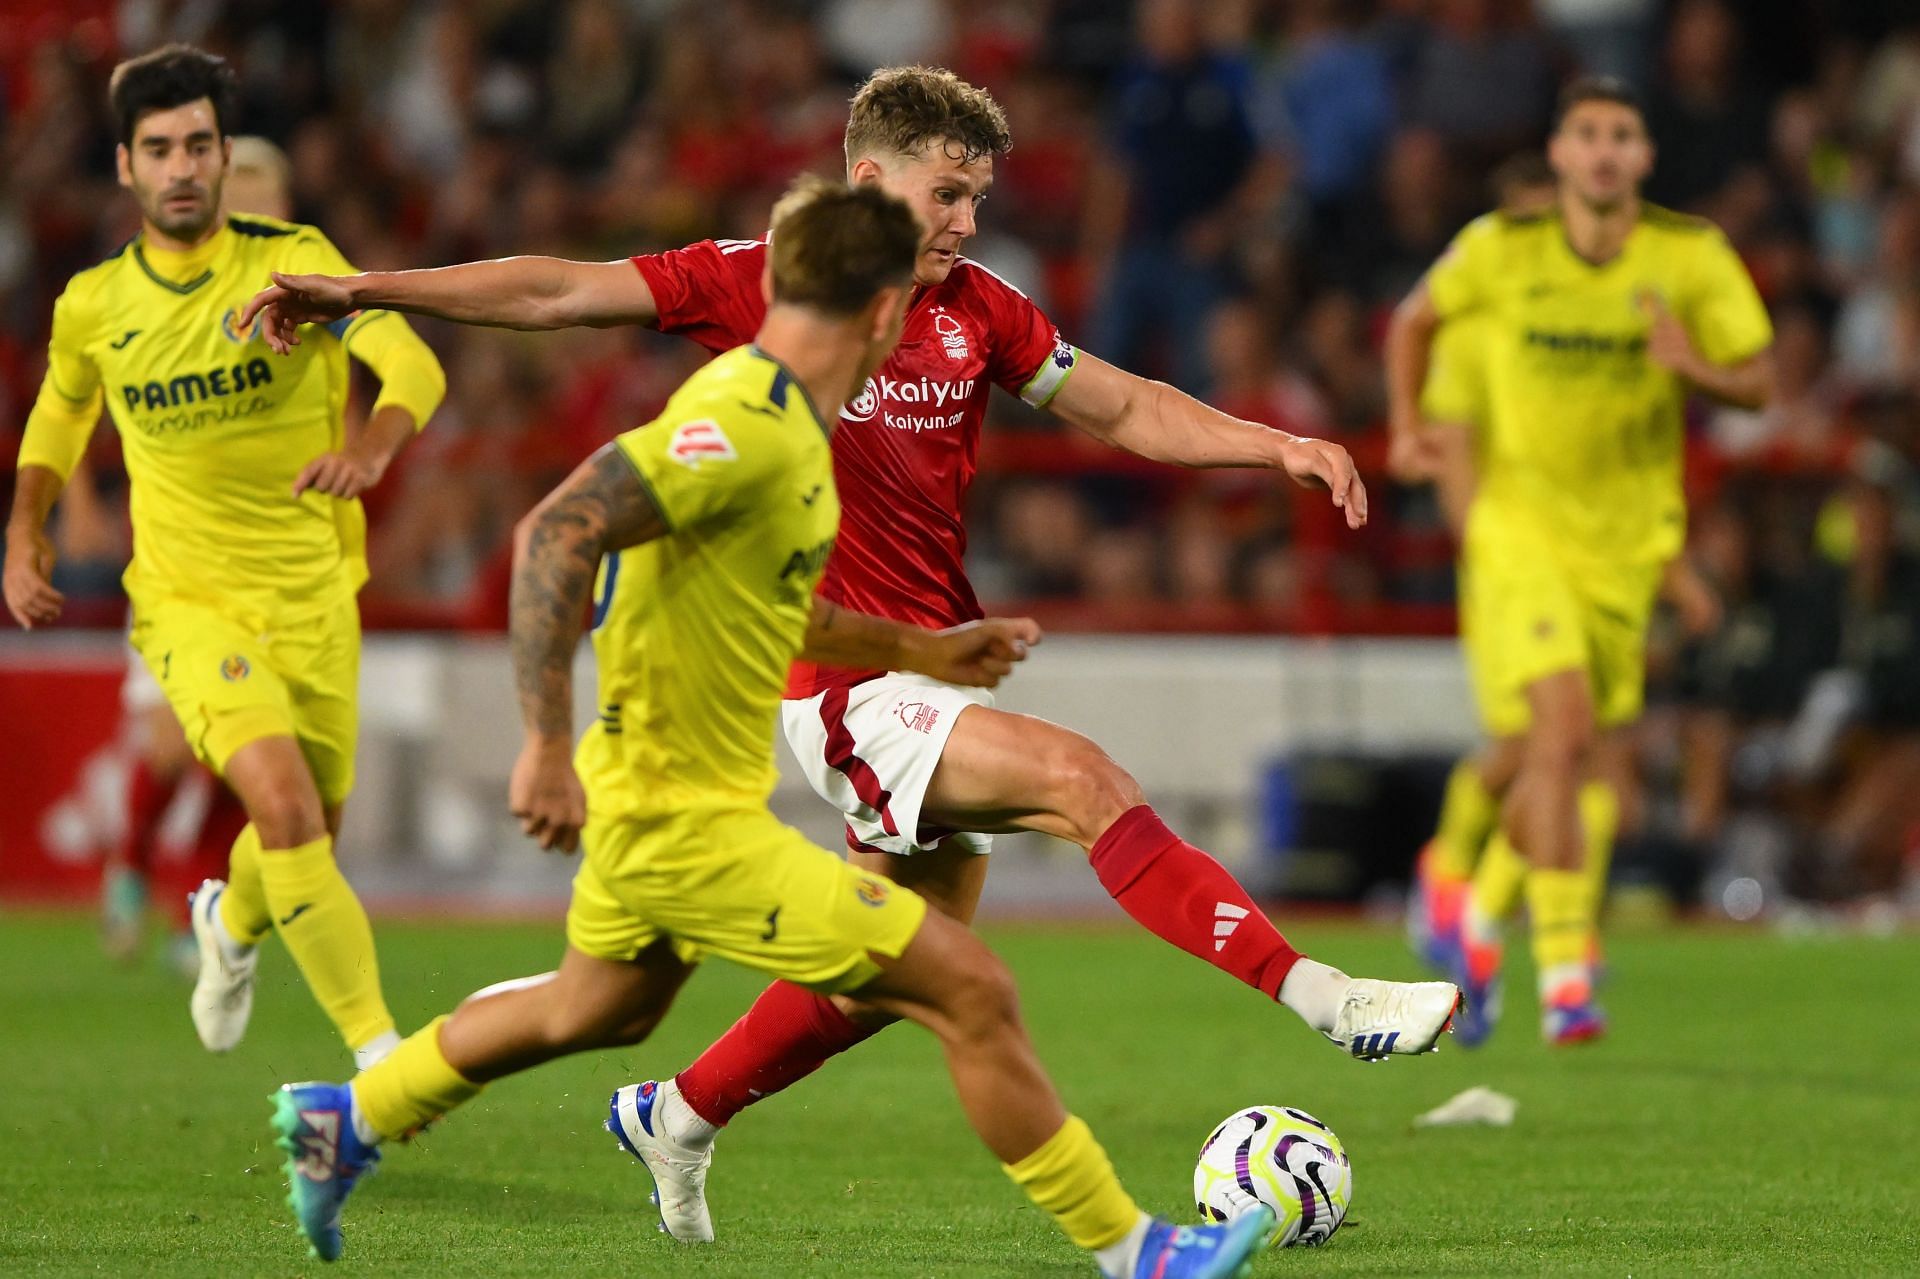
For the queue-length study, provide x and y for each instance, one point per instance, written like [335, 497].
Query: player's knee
[285, 817]
[1088, 789]
[982, 998]
[1499, 761]
[1561, 746]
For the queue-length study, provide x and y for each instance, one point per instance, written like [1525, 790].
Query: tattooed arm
[557, 548]
[978, 653]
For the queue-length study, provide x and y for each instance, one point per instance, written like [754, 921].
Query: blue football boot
[313, 1123]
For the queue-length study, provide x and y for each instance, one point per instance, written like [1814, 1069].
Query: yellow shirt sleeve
[699, 465]
[409, 372]
[1725, 314]
[1462, 279]
[69, 402]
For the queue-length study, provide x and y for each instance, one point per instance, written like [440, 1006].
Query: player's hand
[546, 795]
[1308, 460]
[1667, 342]
[1412, 457]
[29, 578]
[1694, 599]
[977, 654]
[294, 300]
[343, 474]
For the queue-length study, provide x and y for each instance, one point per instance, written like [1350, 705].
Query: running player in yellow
[1600, 318]
[709, 527]
[248, 541]
[1444, 446]
[1468, 861]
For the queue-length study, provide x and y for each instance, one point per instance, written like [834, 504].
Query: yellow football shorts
[231, 683]
[736, 883]
[1528, 610]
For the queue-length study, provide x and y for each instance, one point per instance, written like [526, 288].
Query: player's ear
[887, 314]
[123, 165]
[766, 281]
[865, 169]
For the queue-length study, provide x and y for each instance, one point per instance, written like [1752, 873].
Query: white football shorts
[870, 751]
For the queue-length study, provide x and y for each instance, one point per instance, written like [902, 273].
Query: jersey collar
[180, 272]
[786, 376]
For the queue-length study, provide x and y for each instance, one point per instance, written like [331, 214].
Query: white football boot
[223, 994]
[1379, 1018]
[679, 1174]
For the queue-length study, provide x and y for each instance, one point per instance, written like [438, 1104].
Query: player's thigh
[950, 877]
[616, 1003]
[1006, 772]
[871, 749]
[320, 662]
[1561, 731]
[217, 677]
[739, 884]
[945, 978]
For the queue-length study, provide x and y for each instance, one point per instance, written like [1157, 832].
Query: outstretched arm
[980, 653]
[509, 293]
[1157, 421]
[557, 548]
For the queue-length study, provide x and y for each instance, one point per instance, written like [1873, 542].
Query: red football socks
[787, 1035]
[148, 796]
[1181, 895]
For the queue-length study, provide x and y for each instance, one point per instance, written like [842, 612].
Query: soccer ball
[1280, 1157]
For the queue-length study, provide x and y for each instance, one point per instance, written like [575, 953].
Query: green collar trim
[140, 256]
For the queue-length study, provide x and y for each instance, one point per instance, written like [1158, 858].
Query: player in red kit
[925, 772]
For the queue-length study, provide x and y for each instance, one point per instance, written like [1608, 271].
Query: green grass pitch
[1757, 1110]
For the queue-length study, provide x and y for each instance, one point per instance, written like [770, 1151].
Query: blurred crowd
[1229, 194]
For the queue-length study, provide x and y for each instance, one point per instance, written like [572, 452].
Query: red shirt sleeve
[708, 291]
[1023, 338]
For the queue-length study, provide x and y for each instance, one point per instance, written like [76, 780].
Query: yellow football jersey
[215, 428]
[693, 632]
[1583, 431]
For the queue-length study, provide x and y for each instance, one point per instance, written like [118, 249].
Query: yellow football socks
[411, 1087]
[1497, 882]
[1468, 815]
[326, 929]
[1071, 1178]
[1561, 908]
[1600, 820]
[243, 906]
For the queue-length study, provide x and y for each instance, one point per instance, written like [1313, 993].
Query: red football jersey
[906, 447]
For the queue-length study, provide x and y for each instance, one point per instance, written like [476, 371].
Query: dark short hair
[172, 76]
[1596, 88]
[906, 109]
[1522, 169]
[835, 246]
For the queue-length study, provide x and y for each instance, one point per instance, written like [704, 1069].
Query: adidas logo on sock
[1226, 918]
